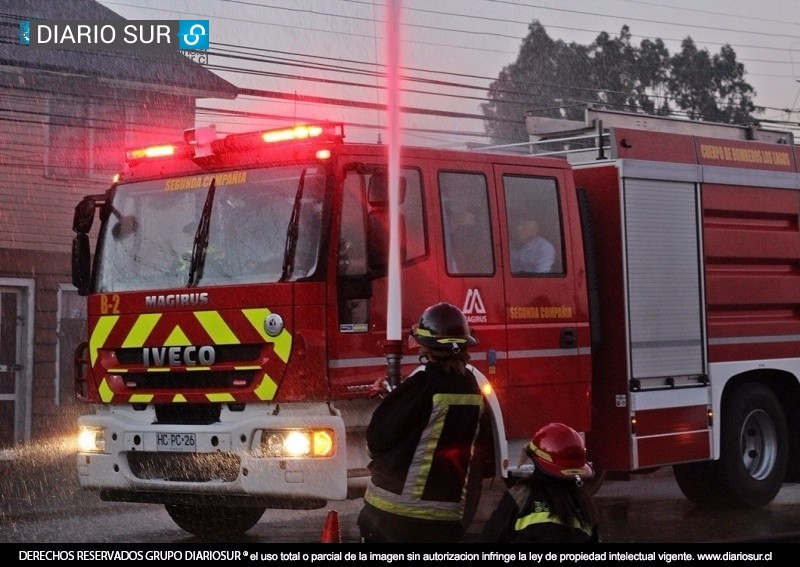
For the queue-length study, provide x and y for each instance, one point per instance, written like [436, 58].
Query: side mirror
[81, 267]
[84, 215]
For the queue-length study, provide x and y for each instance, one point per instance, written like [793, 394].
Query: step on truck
[237, 307]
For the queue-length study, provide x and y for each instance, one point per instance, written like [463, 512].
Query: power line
[448, 29]
[344, 66]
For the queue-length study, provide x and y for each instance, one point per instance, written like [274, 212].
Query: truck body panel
[706, 234]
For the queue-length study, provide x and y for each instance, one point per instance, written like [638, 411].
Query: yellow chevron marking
[105, 391]
[179, 398]
[141, 330]
[140, 398]
[216, 327]
[220, 397]
[282, 343]
[100, 334]
[266, 390]
[177, 338]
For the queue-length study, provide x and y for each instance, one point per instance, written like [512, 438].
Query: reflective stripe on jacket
[545, 517]
[422, 440]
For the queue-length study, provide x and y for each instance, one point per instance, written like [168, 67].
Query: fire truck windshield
[147, 240]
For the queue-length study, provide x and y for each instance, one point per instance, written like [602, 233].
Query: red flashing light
[203, 142]
[299, 132]
[150, 152]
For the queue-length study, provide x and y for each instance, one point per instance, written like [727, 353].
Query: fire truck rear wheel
[214, 521]
[754, 449]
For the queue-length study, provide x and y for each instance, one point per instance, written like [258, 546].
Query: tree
[556, 80]
[652, 94]
[540, 81]
[613, 79]
[710, 88]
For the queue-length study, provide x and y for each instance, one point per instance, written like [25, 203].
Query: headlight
[91, 440]
[298, 443]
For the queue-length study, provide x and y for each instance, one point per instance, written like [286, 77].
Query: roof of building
[172, 72]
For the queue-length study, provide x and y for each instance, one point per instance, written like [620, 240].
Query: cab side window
[364, 238]
[465, 221]
[413, 231]
[354, 293]
[533, 217]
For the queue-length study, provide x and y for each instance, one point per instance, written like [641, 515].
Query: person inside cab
[549, 505]
[532, 253]
[424, 438]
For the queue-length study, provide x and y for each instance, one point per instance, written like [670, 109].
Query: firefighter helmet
[558, 451]
[444, 327]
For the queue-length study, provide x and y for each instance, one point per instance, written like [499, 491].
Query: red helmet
[558, 450]
[443, 326]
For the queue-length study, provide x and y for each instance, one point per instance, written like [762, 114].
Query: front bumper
[226, 458]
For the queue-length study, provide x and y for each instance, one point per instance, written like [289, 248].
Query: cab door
[358, 321]
[471, 267]
[546, 316]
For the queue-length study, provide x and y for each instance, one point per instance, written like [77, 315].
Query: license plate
[180, 442]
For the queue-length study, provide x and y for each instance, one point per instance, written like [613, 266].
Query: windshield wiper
[291, 231]
[201, 238]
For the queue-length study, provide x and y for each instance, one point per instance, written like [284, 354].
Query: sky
[450, 51]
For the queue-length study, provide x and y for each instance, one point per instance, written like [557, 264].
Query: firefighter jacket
[421, 439]
[522, 516]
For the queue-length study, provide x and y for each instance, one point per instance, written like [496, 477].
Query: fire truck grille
[193, 467]
[240, 354]
[200, 380]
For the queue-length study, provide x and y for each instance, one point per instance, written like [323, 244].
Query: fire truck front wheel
[754, 449]
[214, 521]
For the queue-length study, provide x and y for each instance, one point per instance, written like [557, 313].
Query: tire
[698, 482]
[754, 450]
[218, 522]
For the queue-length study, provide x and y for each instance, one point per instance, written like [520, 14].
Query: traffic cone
[330, 531]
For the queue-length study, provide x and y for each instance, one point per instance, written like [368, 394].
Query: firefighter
[424, 437]
[548, 506]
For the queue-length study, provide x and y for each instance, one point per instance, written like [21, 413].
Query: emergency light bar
[177, 149]
[202, 142]
[150, 152]
[302, 132]
[323, 132]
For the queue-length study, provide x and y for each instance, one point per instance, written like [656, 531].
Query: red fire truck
[237, 307]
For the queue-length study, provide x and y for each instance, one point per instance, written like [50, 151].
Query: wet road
[652, 509]
[47, 506]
